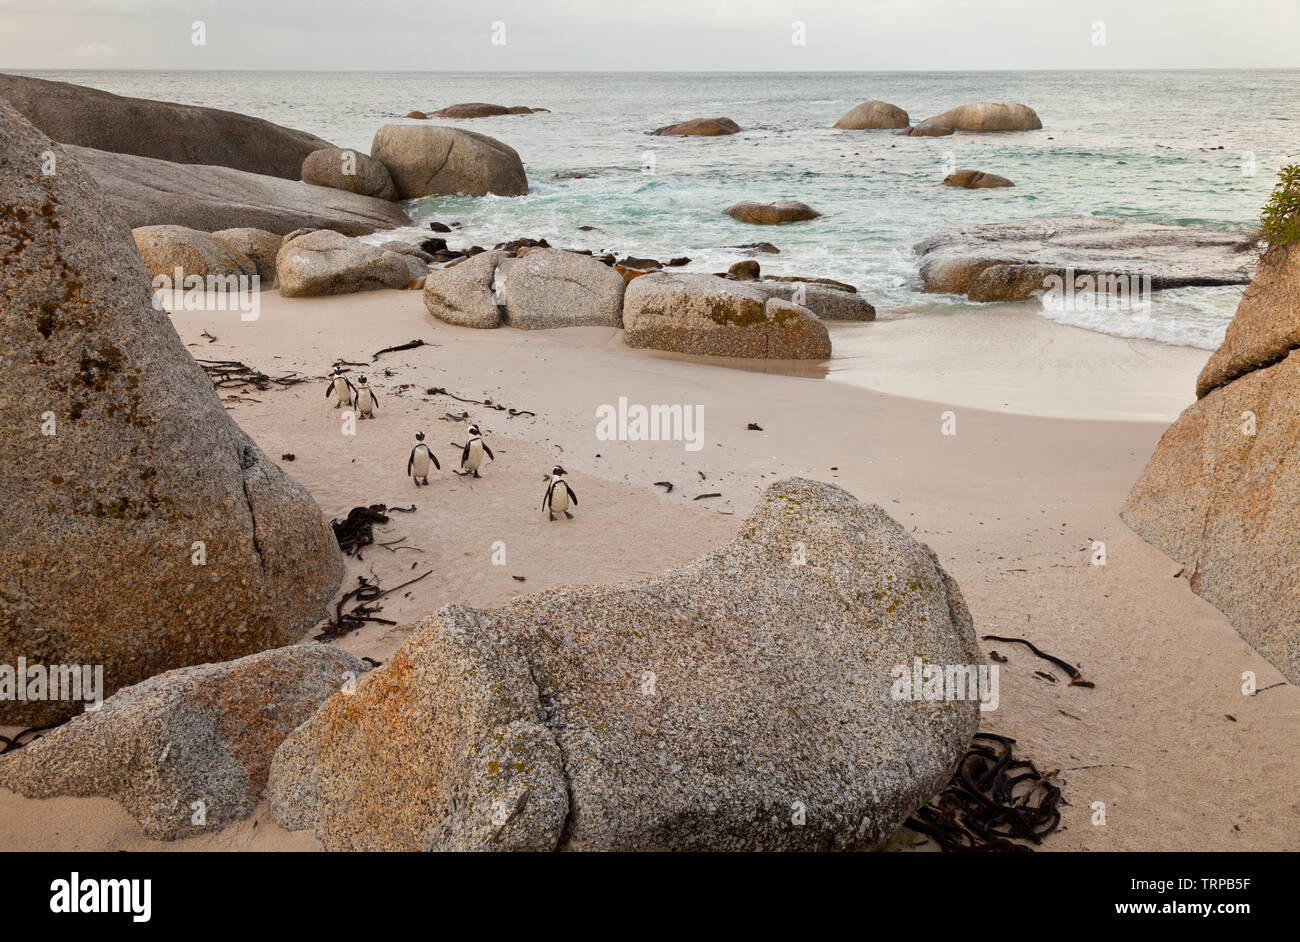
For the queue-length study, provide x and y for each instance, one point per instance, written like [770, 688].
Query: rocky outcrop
[1172, 256]
[1266, 327]
[187, 751]
[348, 170]
[165, 250]
[550, 288]
[745, 701]
[988, 116]
[462, 294]
[258, 245]
[712, 316]
[698, 127]
[1221, 493]
[151, 192]
[325, 262]
[829, 304]
[431, 160]
[145, 531]
[769, 214]
[930, 127]
[183, 134]
[873, 115]
[976, 180]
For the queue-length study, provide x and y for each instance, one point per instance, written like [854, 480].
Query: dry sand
[1047, 446]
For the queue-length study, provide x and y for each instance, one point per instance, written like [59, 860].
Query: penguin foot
[477, 475]
[552, 516]
[569, 515]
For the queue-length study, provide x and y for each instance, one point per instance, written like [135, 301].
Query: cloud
[95, 50]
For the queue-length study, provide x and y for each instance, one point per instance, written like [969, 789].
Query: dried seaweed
[231, 374]
[17, 742]
[487, 403]
[409, 345]
[357, 530]
[1076, 677]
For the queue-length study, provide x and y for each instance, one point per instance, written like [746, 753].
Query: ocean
[1185, 147]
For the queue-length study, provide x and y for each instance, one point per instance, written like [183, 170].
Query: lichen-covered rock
[348, 170]
[740, 702]
[829, 304]
[699, 127]
[432, 160]
[462, 294]
[326, 262]
[976, 180]
[712, 316]
[145, 531]
[187, 751]
[550, 288]
[165, 250]
[258, 245]
[769, 214]
[873, 115]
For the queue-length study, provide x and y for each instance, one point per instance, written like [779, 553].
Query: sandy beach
[1053, 425]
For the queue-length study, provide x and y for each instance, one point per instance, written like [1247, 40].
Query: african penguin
[417, 466]
[558, 495]
[341, 388]
[472, 456]
[365, 399]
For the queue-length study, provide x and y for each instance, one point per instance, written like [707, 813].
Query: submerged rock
[432, 160]
[462, 294]
[187, 751]
[712, 316]
[699, 127]
[930, 127]
[145, 530]
[988, 116]
[767, 214]
[873, 115]
[975, 180]
[478, 109]
[740, 702]
[348, 170]
[550, 288]
[325, 262]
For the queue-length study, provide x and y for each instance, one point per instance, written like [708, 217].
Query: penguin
[558, 495]
[417, 466]
[365, 399]
[472, 456]
[341, 388]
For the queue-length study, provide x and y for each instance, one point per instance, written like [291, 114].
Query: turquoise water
[1194, 148]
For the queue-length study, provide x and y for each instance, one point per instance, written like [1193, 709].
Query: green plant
[1279, 220]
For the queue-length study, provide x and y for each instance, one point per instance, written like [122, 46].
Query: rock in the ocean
[462, 293]
[260, 246]
[325, 262]
[478, 109]
[930, 127]
[747, 270]
[1172, 256]
[183, 134]
[165, 249]
[975, 180]
[432, 160]
[767, 214]
[699, 127]
[872, 115]
[829, 304]
[740, 702]
[1265, 328]
[187, 751]
[144, 531]
[1221, 493]
[989, 116]
[550, 288]
[712, 316]
[348, 170]
[417, 115]
[152, 192]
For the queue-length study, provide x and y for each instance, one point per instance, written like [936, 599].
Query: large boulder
[829, 304]
[167, 249]
[462, 294]
[145, 531]
[1171, 256]
[1221, 493]
[348, 170]
[988, 116]
[183, 134]
[187, 751]
[930, 127]
[873, 115]
[258, 245]
[699, 127]
[325, 262]
[150, 192]
[432, 160]
[769, 214]
[712, 316]
[1266, 327]
[550, 288]
[976, 180]
[739, 702]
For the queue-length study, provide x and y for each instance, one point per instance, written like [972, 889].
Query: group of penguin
[364, 400]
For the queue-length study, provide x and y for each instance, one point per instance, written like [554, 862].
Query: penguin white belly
[475, 457]
[559, 497]
[365, 402]
[341, 392]
[420, 463]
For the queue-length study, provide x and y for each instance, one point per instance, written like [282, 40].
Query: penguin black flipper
[411, 460]
[329, 389]
[464, 455]
[491, 457]
[351, 389]
[572, 496]
[435, 459]
[546, 498]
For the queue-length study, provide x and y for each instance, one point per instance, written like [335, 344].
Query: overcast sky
[742, 35]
